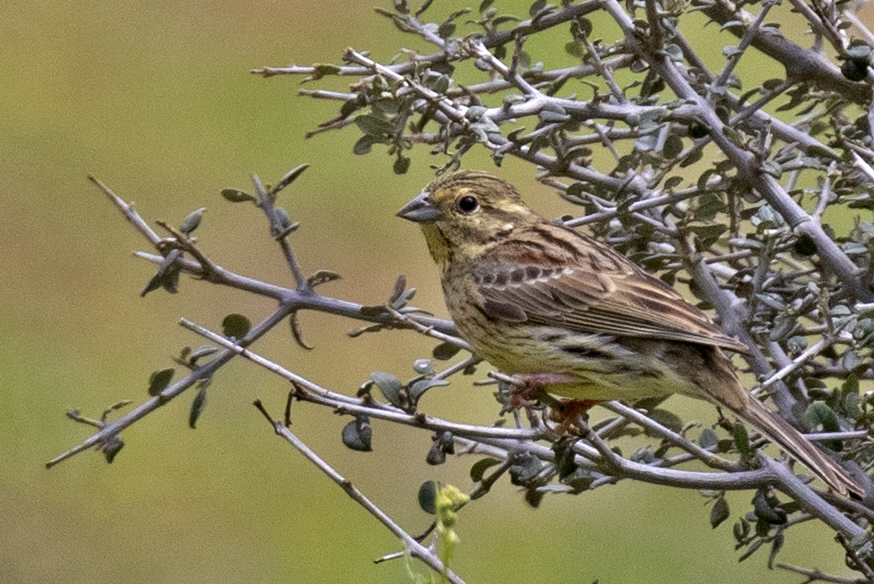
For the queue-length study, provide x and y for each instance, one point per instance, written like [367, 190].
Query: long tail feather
[797, 446]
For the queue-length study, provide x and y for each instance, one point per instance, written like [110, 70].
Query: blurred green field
[156, 100]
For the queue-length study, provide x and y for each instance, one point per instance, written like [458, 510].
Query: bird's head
[464, 213]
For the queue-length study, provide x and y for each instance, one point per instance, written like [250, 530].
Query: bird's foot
[527, 391]
[566, 412]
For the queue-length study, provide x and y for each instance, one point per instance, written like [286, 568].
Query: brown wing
[554, 276]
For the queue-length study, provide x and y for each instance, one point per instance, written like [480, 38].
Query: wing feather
[554, 276]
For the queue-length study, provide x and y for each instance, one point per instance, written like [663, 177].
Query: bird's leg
[533, 387]
[566, 411]
[529, 388]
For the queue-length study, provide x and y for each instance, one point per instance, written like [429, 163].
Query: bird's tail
[781, 433]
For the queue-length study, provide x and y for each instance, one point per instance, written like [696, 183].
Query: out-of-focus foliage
[152, 101]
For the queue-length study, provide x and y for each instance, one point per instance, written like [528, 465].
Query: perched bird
[567, 313]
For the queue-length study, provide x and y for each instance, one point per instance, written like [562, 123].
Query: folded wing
[577, 283]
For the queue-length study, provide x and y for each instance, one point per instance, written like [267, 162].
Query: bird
[568, 314]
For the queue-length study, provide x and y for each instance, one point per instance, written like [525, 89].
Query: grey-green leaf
[390, 387]
[373, 125]
[428, 496]
[741, 438]
[357, 434]
[237, 196]
[402, 165]
[197, 405]
[445, 351]
[112, 447]
[821, 418]
[201, 352]
[235, 326]
[708, 438]
[418, 388]
[322, 277]
[289, 177]
[159, 380]
[478, 470]
[719, 513]
[673, 146]
[192, 221]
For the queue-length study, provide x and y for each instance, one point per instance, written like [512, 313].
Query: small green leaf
[474, 112]
[322, 277]
[372, 311]
[741, 529]
[200, 352]
[733, 135]
[112, 447]
[851, 385]
[428, 496]
[446, 30]
[524, 468]
[445, 351]
[536, 7]
[582, 26]
[859, 52]
[575, 49]
[776, 546]
[357, 434]
[235, 326]
[564, 458]
[673, 146]
[192, 221]
[320, 70]
[375, 126]
[478, 470]
[579, 481]
[765, 508]
[418, 388]
[436, 455]
[821, 418]
[289, 177]
[237, 196]
[673, 182]
[708, 234]
[159, 380]
[363, 145]
[693, 157]
[402, 165]
[197, 405]
[441, 84]
[719, 513]
[708, 438]
[444, 444]
[167, 274]
[741, 438]
[390, 387]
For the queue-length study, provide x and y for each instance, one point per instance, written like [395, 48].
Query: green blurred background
[156, 99]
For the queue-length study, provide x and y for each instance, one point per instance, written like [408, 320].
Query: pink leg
[524, 395]
[569, 410]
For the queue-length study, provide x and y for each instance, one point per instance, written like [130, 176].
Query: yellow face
[465, 213]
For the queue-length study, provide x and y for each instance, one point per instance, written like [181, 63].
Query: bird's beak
[419, 210]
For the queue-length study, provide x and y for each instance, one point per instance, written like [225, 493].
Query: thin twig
[417, 550]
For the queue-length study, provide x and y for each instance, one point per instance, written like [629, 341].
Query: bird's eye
[468, 204]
